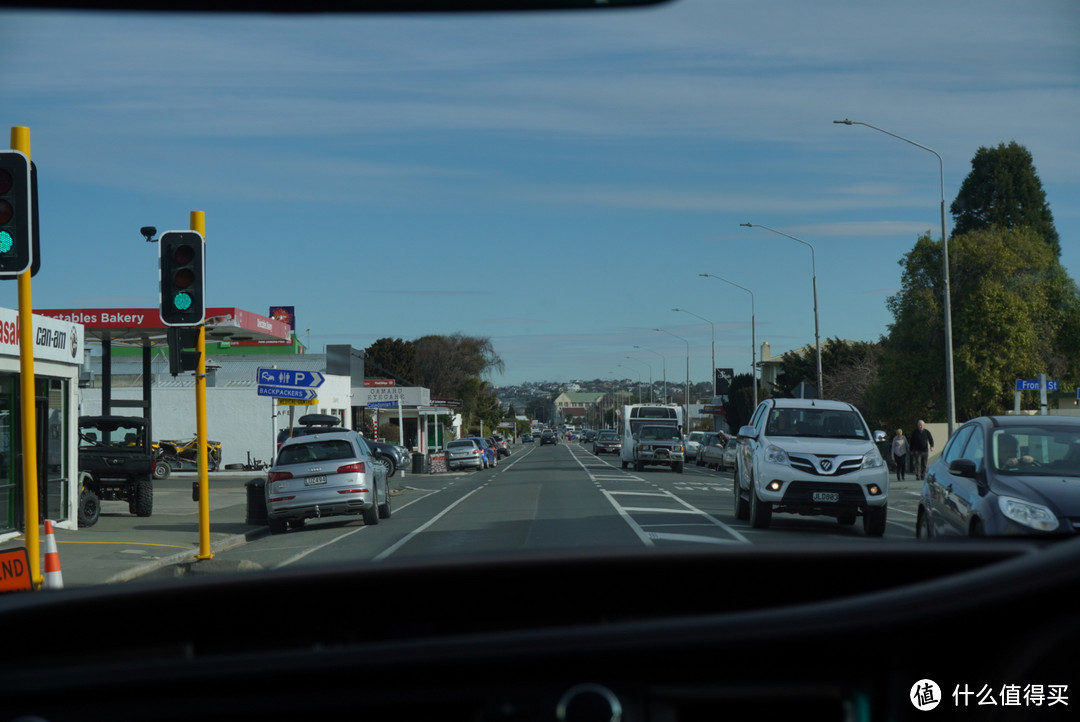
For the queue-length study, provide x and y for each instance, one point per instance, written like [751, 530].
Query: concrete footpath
[122, 546]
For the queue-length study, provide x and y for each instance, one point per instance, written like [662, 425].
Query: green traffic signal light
[16, 213]
[182, 280]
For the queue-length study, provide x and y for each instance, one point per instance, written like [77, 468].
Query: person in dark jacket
[921, 443]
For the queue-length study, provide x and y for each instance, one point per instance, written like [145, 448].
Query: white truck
[652, 435]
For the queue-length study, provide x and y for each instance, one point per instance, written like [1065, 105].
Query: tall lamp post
[686, 418]
[662, 358]
[950, 392]
[712, 328]
[628, 368]
[631, 358]
[813, 268]
[753, 333]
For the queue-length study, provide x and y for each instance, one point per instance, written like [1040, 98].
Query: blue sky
[554, 181]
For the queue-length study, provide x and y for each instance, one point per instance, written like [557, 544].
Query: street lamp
[650, 375]
[662, 358]
[712, 327]
[813, 267]
[950, 393]
[686, 418]
[753, 333]
[638, 377]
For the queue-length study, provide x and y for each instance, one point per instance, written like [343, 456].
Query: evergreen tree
[1004, 191]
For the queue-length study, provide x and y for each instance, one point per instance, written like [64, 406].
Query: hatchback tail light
[278, 476]
[356, 468]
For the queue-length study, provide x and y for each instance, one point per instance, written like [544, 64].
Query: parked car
[464, 453]
[500, 444]
[812, 457]
[693, 443]
[391, 456]
[607, 441]
[1005, 476]
[711, 451]
[318, 475]
[491, 456]
[547, 436]
[731, 451]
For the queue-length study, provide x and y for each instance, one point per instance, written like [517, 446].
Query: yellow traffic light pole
[20, 140]
[198, 223]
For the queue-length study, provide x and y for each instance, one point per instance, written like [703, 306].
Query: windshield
[480, 181]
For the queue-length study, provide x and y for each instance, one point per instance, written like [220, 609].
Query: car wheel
[977, 528]
[742, 506]
[371, 514]
[384, 508]
[277, 526]
[922, 525]
[89, 508]
[874, 520]
[638, 466]
[161, 470]
[386, 464]
[143, 502]
[677, 466]
[760, 511]
[297, 523]
[846, 519]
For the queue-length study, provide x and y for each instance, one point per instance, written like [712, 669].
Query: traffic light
[16, 213]
[183, 281]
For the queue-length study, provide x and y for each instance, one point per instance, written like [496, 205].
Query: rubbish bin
[418, 462]
[256, 502]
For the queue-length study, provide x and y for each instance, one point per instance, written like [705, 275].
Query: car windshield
[774, 203]
[316, 451]
[660, 433]
[1032, 451]
[816, 423]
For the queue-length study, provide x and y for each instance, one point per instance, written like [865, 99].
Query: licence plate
[826, 496]
[314, 480]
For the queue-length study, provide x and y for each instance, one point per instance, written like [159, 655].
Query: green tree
[1015, 313]
[1004, 191]
[848, 370]
[740, 404]
[391, 358]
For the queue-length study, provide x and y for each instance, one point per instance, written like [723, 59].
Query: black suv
[116, 463]
[547, 436]
[391, 456]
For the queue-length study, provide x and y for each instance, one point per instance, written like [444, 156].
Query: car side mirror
[962, 467]
[880, 437]
[747, 432]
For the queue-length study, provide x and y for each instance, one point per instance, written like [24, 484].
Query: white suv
[810, 457]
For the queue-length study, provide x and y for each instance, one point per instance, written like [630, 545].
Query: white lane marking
[646, 537]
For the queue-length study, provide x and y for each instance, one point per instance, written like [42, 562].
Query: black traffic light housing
[180, 359]
[17, 213]
[183, 278]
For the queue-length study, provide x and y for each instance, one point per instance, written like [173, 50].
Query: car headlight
[1034, 516]
[872, 460]
[776, 455]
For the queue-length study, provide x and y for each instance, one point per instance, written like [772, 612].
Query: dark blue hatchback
[1005, 476]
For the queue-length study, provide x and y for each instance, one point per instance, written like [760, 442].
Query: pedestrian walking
[899, 453]
[921, 443]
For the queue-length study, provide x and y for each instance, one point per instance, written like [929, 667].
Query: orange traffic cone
[53, 578]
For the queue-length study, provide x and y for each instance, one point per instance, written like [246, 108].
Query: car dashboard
[818, 632]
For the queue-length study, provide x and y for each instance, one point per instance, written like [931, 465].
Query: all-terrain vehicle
[116, 463]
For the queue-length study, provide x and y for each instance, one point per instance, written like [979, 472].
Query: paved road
[542, 499]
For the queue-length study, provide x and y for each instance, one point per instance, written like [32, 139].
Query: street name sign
[1033, 385]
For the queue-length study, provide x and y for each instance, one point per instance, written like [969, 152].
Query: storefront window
[53, 446]
[9, 506]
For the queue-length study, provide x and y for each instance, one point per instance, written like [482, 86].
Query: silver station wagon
[321, 475]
